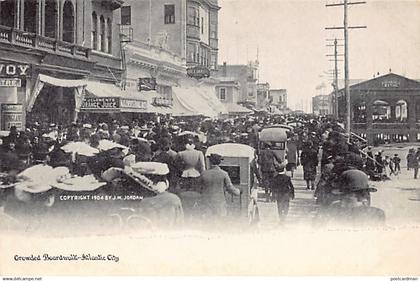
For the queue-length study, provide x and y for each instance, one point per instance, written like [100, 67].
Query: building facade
[48, 49]
[322, 105]
[202, 33]
[228, 92]
[384, 109]
[246, 78]
[278, 98]
[158, 52]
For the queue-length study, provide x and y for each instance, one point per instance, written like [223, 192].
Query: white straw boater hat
[150, 168]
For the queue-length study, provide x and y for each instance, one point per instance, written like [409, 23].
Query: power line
[346, 28]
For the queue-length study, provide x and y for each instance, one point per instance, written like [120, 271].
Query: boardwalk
[302, 208]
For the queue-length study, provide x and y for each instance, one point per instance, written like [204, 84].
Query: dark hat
[215, 159]
[354, 181]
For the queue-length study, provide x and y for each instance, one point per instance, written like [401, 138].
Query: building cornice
[209, 3]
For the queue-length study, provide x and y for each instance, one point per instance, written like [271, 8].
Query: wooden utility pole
[346, 68]
[346, 28]
[335, 80]
[335, 74]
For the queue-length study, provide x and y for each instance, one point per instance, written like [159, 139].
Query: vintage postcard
[209, 138]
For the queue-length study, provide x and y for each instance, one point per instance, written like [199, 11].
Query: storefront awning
[236, 108]
[194, 100]
[187, 102]
[64, 83]
[209, 94]
[42, 79]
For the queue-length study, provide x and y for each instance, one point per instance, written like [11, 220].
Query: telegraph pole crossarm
[346, 28]
[345, 4]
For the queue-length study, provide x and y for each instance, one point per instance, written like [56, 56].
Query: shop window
[68, 22]
[169, 14]
[51, 18]
[29, 19]
[222, 94]
[109, 33]
[94, 31]
[126, 15]
[102, 36]
[7, 13]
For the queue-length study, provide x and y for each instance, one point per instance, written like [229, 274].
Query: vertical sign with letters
[11, 115]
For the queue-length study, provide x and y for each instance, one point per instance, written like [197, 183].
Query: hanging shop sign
[116, 104]
[100, 103]
[12, 70]
[198, 72]
[135, 104]
[10, 82]
[147, 84]
[158, 101]
[11, 115]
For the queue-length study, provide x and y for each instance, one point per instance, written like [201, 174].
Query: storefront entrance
[53, 105]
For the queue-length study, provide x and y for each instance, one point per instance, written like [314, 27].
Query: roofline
[376, 78]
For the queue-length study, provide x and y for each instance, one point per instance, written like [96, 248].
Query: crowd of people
[320, 145]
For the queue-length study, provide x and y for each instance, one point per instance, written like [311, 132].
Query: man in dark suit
[268, 160]
[214, 183]
[283, 190]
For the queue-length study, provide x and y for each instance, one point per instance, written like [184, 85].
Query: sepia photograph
[271, 138]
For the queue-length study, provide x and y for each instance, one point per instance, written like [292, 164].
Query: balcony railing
[31, 40]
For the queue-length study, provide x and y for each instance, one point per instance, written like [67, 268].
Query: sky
[291, 40]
